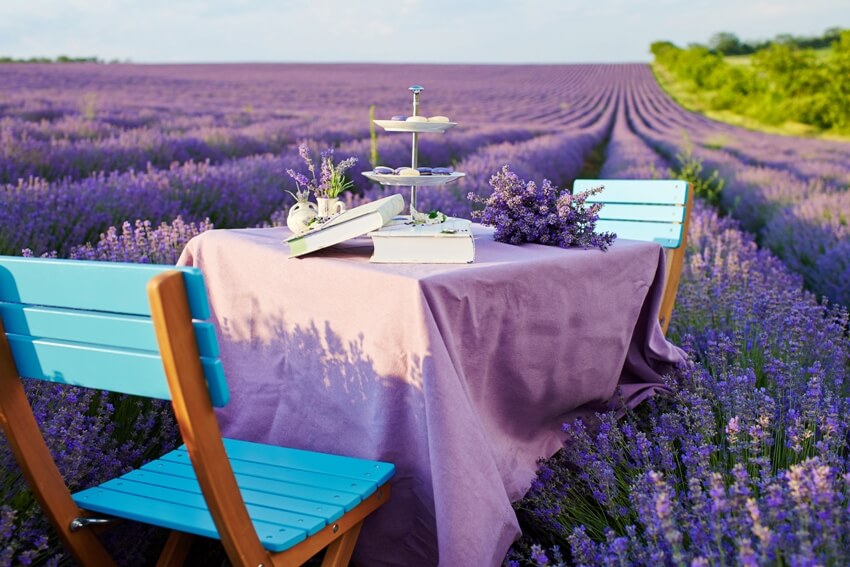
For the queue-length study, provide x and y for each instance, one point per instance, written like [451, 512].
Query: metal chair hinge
[80, 523]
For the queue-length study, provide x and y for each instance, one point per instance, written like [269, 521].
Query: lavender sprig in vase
[330, 182]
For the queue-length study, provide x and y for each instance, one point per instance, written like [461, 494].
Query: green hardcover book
[349, 224]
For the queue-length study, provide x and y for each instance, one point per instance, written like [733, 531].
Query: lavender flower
[331, 181]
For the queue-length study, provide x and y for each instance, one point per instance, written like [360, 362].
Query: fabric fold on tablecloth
[647, 361]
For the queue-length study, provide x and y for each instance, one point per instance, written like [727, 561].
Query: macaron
[424, 170]
[416, 119]
[441, 170]
[383, 170]
[399, 118]
[407, 172]
[438, 119]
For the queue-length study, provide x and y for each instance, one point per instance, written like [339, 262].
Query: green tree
[663, 51]
[785, 70]
[727, 43]
[837, 83]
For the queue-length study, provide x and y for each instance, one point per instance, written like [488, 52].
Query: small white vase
[300, 215]
[329, 206]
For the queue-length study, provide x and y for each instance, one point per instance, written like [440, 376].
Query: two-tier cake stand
[415, 128]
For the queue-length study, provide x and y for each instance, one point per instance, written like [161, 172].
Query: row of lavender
[138, 162]
[793, 193]
[747, 462]
[46, 216]
[71, 123]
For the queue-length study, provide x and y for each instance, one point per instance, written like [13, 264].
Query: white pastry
[416, 119]
[439, 119]
[408, 172]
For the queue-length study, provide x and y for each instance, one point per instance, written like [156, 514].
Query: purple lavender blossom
[331, 181]
[523, 212]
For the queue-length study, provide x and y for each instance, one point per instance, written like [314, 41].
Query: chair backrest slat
[667, 235]
[128, 371]
[645, 213]
[115, 287]
[117, 370]
[662, 192]
[640, 209]
[88, 324]
[105, 329]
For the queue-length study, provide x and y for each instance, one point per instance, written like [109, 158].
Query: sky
[397, 31]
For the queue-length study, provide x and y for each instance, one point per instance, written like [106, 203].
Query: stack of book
[449, 242]
[395, 239]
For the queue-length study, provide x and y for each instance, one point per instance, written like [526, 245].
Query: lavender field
[746, 464]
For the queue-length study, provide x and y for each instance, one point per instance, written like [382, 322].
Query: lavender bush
[55, 216]
[141, 243]
[745, 463]
[93, 437]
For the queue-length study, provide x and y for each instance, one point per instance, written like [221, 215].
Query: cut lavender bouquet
[331, 181]
[521, 211]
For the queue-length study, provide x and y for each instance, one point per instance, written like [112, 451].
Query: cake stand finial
[416, 89]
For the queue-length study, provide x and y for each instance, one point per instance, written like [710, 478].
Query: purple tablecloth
[461, 375]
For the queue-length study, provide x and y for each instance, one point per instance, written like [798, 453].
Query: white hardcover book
[350, 224]
[449, 242]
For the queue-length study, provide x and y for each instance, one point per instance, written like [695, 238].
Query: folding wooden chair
[139, 329]
[656, 210]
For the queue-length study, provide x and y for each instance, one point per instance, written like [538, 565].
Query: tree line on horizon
[728, 43]
[58, 59]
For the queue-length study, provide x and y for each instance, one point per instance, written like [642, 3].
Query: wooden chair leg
[176, 549]
[339, 552]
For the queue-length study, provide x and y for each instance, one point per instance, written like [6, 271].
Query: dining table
[462, 375]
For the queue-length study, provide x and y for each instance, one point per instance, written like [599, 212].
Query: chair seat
[290, 494]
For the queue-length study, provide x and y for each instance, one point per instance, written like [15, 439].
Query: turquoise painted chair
[655, 210]
[141, 329]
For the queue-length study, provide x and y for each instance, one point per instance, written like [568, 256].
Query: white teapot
[301, 214]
